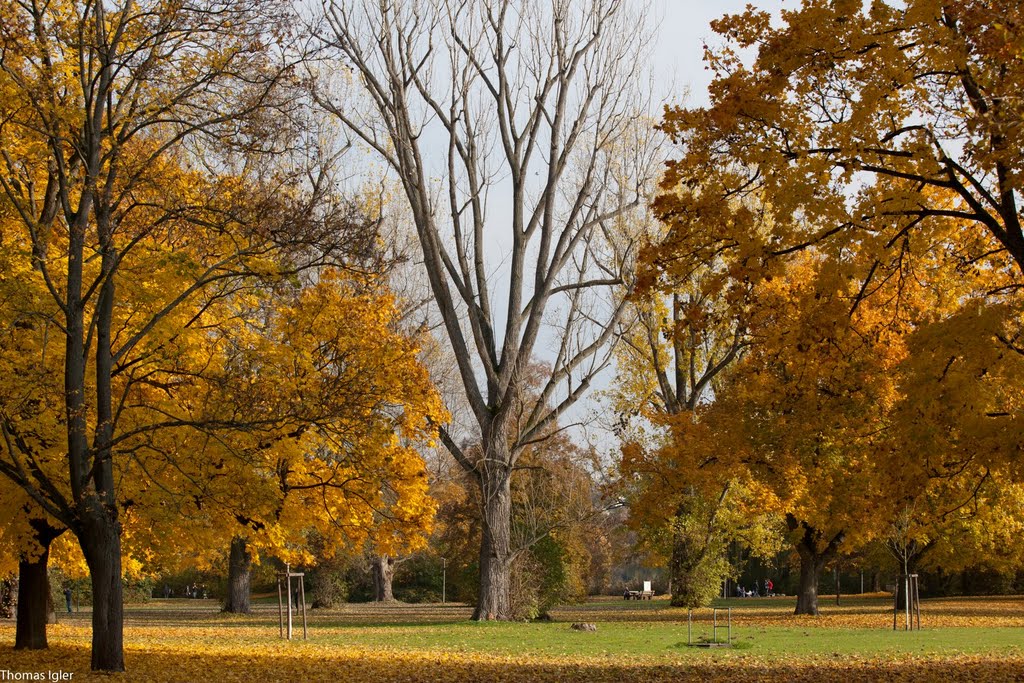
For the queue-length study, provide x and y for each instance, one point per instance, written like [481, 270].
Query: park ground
[962, 639]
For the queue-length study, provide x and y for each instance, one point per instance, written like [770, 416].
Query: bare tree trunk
[494, 599]
[239, 577]
[383, 574]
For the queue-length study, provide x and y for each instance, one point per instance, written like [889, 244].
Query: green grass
[650, 631]
[625, 640]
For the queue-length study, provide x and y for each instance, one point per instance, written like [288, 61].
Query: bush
[137, 591]
[327, 587]
[418, 579]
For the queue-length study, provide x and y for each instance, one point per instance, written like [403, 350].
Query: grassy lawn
[180, 640]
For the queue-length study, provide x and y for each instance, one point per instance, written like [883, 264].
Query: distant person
[625, 594]
[67, 598]
[768, 586]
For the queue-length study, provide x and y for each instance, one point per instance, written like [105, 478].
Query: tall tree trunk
[812, 562]
[383, 574]
[101, 545]
[493, 601]
[876, 581]
[239, 577]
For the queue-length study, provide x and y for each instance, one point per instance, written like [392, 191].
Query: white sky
[683, 29]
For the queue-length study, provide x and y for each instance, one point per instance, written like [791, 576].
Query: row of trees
[195, 325]
[198, 324]
[196, 319]
[837, 291]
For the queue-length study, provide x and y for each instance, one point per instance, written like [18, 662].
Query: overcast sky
[680, 35]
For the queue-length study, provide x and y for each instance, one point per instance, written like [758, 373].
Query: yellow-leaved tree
[883, 140]
[175, 325]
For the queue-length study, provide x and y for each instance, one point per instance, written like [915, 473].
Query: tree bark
[494, 600]
[383, 574]
[34, 603]
[101, 545]
[807, 593]
[239, 578]
[812, 562]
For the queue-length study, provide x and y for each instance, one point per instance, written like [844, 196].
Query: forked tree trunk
[493, 601]
[383, 576]
[812, 562]
[239, 577]
[101, 544]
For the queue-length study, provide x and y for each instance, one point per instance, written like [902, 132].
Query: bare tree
[532, 106]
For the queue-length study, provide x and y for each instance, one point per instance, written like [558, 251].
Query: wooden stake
[288, 578]
[302, 593]
[280, 609]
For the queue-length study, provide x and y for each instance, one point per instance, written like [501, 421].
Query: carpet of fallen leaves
[195, 643]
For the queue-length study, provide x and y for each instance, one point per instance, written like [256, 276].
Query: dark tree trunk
[876, 582]
[35, 604]
[35, 600]
[239, 577]
[807, 592]
[493, 601]
[101, 545]
[383, 574]
[812, 562]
